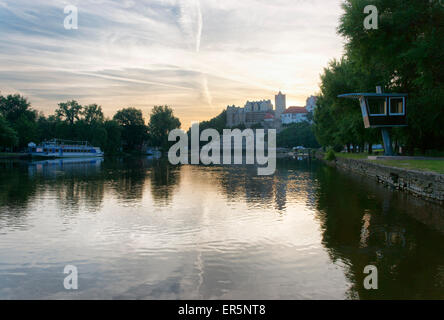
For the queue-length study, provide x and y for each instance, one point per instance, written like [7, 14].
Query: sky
[197, 56]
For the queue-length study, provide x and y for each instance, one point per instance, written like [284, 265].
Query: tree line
[126, 131]
[404, 55]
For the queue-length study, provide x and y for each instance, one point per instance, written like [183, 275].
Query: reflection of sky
[208, 238]
[138, 228]
[193, 55]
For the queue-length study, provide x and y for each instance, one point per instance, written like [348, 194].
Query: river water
[143, 229]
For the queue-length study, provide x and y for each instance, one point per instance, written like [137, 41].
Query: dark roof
[296, 110]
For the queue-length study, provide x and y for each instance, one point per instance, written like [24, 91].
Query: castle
[262, 112]
[255, 112]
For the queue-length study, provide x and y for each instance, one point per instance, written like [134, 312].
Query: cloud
[190, 54]
[191, 20]
[206, 91]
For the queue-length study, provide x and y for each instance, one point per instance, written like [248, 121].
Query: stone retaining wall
[427, 185]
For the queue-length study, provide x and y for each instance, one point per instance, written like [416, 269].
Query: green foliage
[162, 121]
[114, 137]
[12, 107]
[338, 122]
[93, 114]
[8, 136]
[19, 125]
[46, 127]
[134, 131]
[218, 123]
[330, 155]
[298, 134]
[20, 117]
[69, 111]
[405, 55]
[26, 128]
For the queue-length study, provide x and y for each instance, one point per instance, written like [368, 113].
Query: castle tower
[311, 103]
[281, 104]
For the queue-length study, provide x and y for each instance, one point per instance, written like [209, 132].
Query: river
[137, 228]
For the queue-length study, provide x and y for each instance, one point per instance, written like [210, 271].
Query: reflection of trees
[77, 193]
[242, 182]
[126, 177]
[76, 185]
[16, 190]
[366, 224]
[164, 179]
[79, 186]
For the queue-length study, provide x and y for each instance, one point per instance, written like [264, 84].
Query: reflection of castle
[262, 113]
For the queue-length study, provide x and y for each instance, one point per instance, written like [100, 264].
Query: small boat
[57, 148]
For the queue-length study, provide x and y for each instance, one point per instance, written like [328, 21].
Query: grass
[352, 155]
[411, 164]
[420, 165]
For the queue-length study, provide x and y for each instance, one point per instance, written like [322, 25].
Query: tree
[20, 117]
[8, 136]
[298, 134]
[133, 128]
[338, 122]
[162, 121]
[406, 53]
[69, 111]
[13, 107]
[114, 137]
[26, 128]
[46, 127]
[218, 123]
[92, 114]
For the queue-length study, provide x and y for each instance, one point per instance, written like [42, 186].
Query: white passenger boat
[57, 148]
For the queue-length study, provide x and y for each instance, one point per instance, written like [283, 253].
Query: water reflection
[164, 179]
[400, 234]
[141, 228]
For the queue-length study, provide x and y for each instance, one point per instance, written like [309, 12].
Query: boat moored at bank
[57, 148]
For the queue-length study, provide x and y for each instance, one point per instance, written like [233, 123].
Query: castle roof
[293, 110]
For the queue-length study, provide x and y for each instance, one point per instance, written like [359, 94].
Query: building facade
[311, 103]
[294, 115]
[262, 112]
[280, 103]
[299, 114]
[235, 116]
[254, 112]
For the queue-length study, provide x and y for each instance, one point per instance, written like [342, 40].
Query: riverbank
[428, 164]
[13, 155]
[428, 185]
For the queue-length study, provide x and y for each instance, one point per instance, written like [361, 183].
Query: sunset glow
[196, 56]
